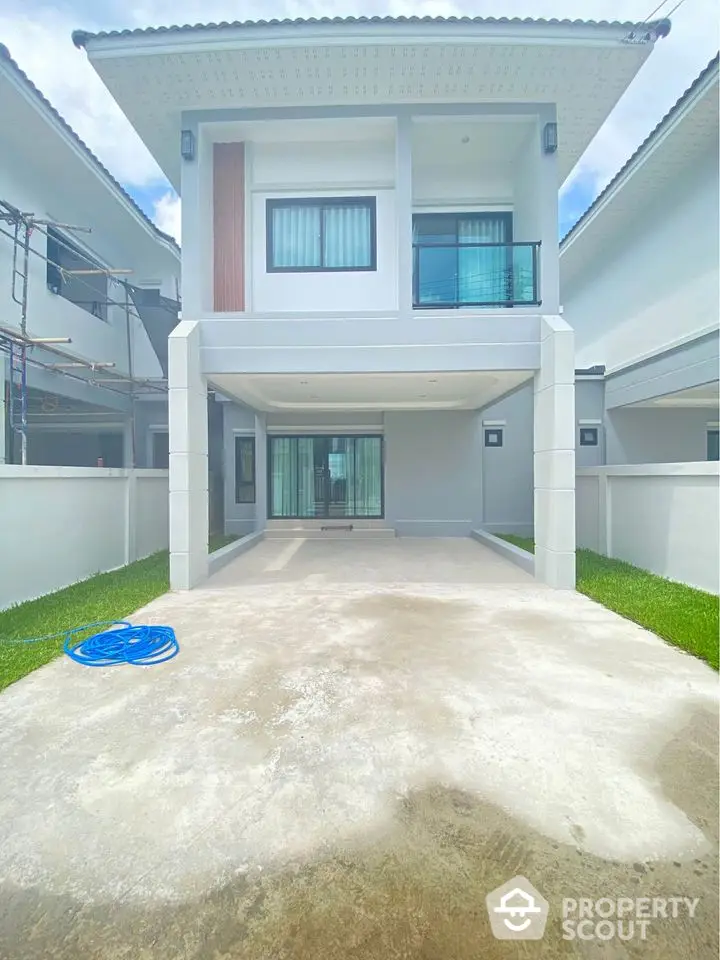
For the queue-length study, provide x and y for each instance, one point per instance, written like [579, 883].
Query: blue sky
[37, 33]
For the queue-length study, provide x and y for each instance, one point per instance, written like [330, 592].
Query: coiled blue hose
[140, 646]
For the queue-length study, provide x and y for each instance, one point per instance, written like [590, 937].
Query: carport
[357, 742]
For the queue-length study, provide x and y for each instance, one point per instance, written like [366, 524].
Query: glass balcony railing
[452, 275]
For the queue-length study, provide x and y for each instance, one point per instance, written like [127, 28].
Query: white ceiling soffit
[705, 397]
[154, 76]
[368, 392]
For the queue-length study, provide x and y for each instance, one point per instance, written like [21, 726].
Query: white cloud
[167, 214]
[37, 33]
[39, 40]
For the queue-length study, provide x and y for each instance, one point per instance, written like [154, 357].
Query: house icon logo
[517, 911]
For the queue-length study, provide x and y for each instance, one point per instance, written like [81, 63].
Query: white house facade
[370, 263]
[640, 282]
[90, 307]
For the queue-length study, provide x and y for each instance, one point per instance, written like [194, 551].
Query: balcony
[453, 275]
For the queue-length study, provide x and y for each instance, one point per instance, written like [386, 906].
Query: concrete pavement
[356, 743]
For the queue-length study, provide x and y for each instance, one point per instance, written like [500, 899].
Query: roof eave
[677, 113]
[365, 29]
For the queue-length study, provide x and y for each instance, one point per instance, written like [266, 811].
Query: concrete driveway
[357, 742]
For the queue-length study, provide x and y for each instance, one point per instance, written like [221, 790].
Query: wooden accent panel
[229, 226]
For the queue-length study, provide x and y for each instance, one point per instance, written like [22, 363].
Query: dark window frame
[155, 434]
[240, 484]
[715, 433]
[497, 433]
[334, 436]
[589, 437]
[509, 243]
[369, 203]
[59, 248]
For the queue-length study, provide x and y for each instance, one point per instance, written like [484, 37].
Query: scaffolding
[23, 348]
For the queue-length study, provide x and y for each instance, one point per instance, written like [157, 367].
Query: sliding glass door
[326, 477]
[462, 259]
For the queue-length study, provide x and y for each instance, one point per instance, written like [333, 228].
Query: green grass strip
[106, 596]
[685, 617]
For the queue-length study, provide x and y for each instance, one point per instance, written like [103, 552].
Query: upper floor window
[469, 259]
[70, 275]
[314, 234]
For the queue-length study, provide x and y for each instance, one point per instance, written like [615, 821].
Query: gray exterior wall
[237, 420]
[507, 471]
[148, 413]
[646, 435]
[314, 422]
[432, 472]
[76, 448]
[590, 405]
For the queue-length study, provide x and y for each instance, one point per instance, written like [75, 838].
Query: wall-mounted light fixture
[550, 138]
[187, 145]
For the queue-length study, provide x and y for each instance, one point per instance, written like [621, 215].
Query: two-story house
[370, 260]
[85, 313]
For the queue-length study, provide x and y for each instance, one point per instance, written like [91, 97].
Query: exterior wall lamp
[187, 145]
[550, 138]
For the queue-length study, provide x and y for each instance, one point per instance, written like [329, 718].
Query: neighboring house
[640, 276]
[78, 415]
[370, 261]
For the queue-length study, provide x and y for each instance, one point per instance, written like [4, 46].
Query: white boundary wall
[663, 517]
[59, 525]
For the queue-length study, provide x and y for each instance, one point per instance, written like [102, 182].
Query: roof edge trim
[642, 151]
[102, 171]
[638, 32]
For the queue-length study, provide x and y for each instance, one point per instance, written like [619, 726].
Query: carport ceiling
[390, 391]
[705, 397]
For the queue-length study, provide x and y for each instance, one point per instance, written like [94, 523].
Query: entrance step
[314, 523]
[329, 531]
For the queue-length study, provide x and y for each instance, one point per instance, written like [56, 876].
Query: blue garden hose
[140, 646]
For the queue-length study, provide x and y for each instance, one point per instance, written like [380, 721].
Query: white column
[547, 193]
[3, 410]
[261, 477]
[128, 442]
[554, 461]
[131, 517]
[403, 211]
[196, 271]
[188, 424]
